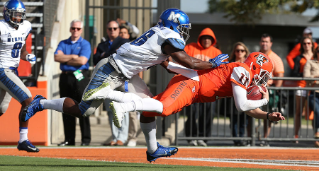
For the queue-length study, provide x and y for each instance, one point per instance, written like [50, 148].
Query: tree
[249, 11]
[306, 4]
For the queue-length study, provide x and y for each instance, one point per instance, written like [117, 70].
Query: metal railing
[223, 115]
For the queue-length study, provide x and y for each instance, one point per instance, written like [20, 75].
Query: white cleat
[97, 93]
[118, 113]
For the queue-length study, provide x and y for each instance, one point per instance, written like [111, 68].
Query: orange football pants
[180, 92]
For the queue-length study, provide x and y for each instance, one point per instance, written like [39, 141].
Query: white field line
[182, 147]
[255, 161]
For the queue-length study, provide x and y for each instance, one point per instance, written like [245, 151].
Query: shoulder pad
[177, 43]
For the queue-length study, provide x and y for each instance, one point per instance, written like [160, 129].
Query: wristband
[268, 116]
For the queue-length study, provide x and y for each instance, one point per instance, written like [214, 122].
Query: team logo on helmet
[260, 59]
[174, 17]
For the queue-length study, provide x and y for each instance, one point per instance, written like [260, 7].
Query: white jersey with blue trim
[11, 43]
[146, 50]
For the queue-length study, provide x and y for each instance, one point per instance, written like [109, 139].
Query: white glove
[31, 58]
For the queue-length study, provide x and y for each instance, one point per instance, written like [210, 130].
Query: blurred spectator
[311, 70]
[104, 50]
[203, 49]
[133, 31]
[278, 71]
[306, 51]
[296, 50]
[124, 32]
[73, 55]
[239, 119]
[111, 43]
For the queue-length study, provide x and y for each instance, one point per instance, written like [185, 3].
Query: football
[253, 92]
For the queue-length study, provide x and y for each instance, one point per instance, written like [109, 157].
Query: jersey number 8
[16, 50]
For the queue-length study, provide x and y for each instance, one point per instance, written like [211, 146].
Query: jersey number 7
[243, 79]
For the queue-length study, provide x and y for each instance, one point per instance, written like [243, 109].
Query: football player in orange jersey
[229, 80]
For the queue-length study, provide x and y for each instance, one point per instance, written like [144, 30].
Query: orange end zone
[38, 125]
[187, 156]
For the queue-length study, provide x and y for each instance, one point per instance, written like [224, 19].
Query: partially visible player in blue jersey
[119, 71]
[14, 30]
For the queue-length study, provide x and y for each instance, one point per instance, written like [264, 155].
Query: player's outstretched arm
[184, 59]
[259, 114]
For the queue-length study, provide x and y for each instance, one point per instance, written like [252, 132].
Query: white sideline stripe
[251, 147]
[144, 147]
[253, 161]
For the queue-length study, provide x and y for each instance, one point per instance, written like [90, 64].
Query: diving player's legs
[180, 92]
[12, 86]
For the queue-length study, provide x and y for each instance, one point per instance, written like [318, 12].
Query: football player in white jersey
[14, 30]
[119, 71]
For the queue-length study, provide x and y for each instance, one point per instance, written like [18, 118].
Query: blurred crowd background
[286, 30]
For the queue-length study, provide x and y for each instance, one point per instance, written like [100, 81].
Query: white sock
[149, 130]
[55, 104]
[23, 134]
[146, 104]
[122, 97]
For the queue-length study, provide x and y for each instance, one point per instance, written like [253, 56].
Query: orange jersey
[214, 83]
[294, 53]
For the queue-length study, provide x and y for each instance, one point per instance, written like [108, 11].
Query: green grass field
[12, 163]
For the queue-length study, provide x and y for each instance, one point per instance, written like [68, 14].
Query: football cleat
[161, 152]
[27, 146]
[32, 108]
[118, 113]
[97, 93]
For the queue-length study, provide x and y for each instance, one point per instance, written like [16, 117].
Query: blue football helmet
[14, 9]
[176, 20]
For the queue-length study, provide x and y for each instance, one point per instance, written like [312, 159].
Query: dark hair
[265, 35]
[302, 50]
[121, 27]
